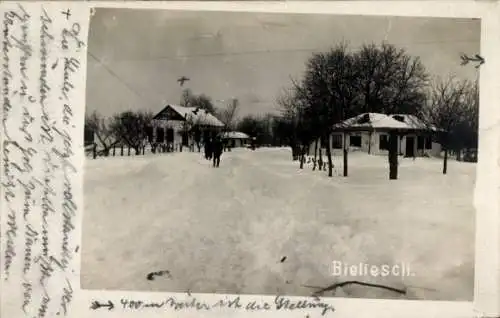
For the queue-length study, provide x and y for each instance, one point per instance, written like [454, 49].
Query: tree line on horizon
[339, 84]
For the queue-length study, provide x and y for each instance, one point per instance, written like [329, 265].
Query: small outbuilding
[236, 139]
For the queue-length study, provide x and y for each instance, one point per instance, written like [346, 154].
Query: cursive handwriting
[72, 34]
[39, 178]
[280, 303]
[45, 38]
[67, 296]
[71, 65]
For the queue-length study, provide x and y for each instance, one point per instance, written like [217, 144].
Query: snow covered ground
[228, 230]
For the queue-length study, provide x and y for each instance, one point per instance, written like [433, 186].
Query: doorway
[410, 147]
[185, 139]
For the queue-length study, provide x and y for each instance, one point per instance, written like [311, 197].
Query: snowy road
[226, 230]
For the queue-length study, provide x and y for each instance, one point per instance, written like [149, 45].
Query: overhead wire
[238, 53]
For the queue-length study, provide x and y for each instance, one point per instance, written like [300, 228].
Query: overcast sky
[136, 56]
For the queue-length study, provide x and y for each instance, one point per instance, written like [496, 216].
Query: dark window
[323, 142]
[149, 133]
[355, 141]
[160, 134]
[170, 135]
[420, 142]
[428, 143]
[337, 141]
[384, 142]
[185, 139]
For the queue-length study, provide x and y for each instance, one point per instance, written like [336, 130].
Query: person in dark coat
[208, 149]
[218, 147]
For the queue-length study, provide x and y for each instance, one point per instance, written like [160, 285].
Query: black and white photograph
[280, 154]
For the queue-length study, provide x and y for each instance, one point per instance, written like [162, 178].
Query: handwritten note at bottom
[280, 303]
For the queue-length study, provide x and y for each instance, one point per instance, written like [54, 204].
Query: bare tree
[131, 128]
[102, 130]
[448, 109]
[189, 99]
[465, 136]
[329, 92]
[389, 81]
[290, 107]
[228, 114]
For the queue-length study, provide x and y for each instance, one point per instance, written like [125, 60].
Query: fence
[125, 150]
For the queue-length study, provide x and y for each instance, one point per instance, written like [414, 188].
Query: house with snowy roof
[369, 132]
[236, 138]
[179, 125]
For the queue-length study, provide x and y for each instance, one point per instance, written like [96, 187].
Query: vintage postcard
[249, 158]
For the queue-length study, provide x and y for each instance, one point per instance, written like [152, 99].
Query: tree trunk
[370, 143]
[445, 160]
[330, 162]
[345, 154]
[302, 153]
[315, 154]
[459, 155]
[320, 159]
[393, 156]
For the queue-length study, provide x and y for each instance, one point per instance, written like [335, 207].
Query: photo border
[486, 301]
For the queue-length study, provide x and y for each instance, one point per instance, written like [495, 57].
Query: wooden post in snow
[344, 143]
[370, 142]
[393, 155]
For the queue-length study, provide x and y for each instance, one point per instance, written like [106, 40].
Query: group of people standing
[213, 150]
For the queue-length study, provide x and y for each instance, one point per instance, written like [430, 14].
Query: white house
[235, 138]
[369, 132]
[176, 125]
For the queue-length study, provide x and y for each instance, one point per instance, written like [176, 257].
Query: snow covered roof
[235, 135]
[413, 121]
[372, 121]
[379, 121]
[196, 115]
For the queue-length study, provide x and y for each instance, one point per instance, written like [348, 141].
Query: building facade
[178, 126]
[376, 143]
[370, 133]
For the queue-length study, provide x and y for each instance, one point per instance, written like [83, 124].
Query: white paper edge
[486, 199]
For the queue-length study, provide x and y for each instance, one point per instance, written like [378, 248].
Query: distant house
[369, 132]
[235, 138]
[178, 125]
